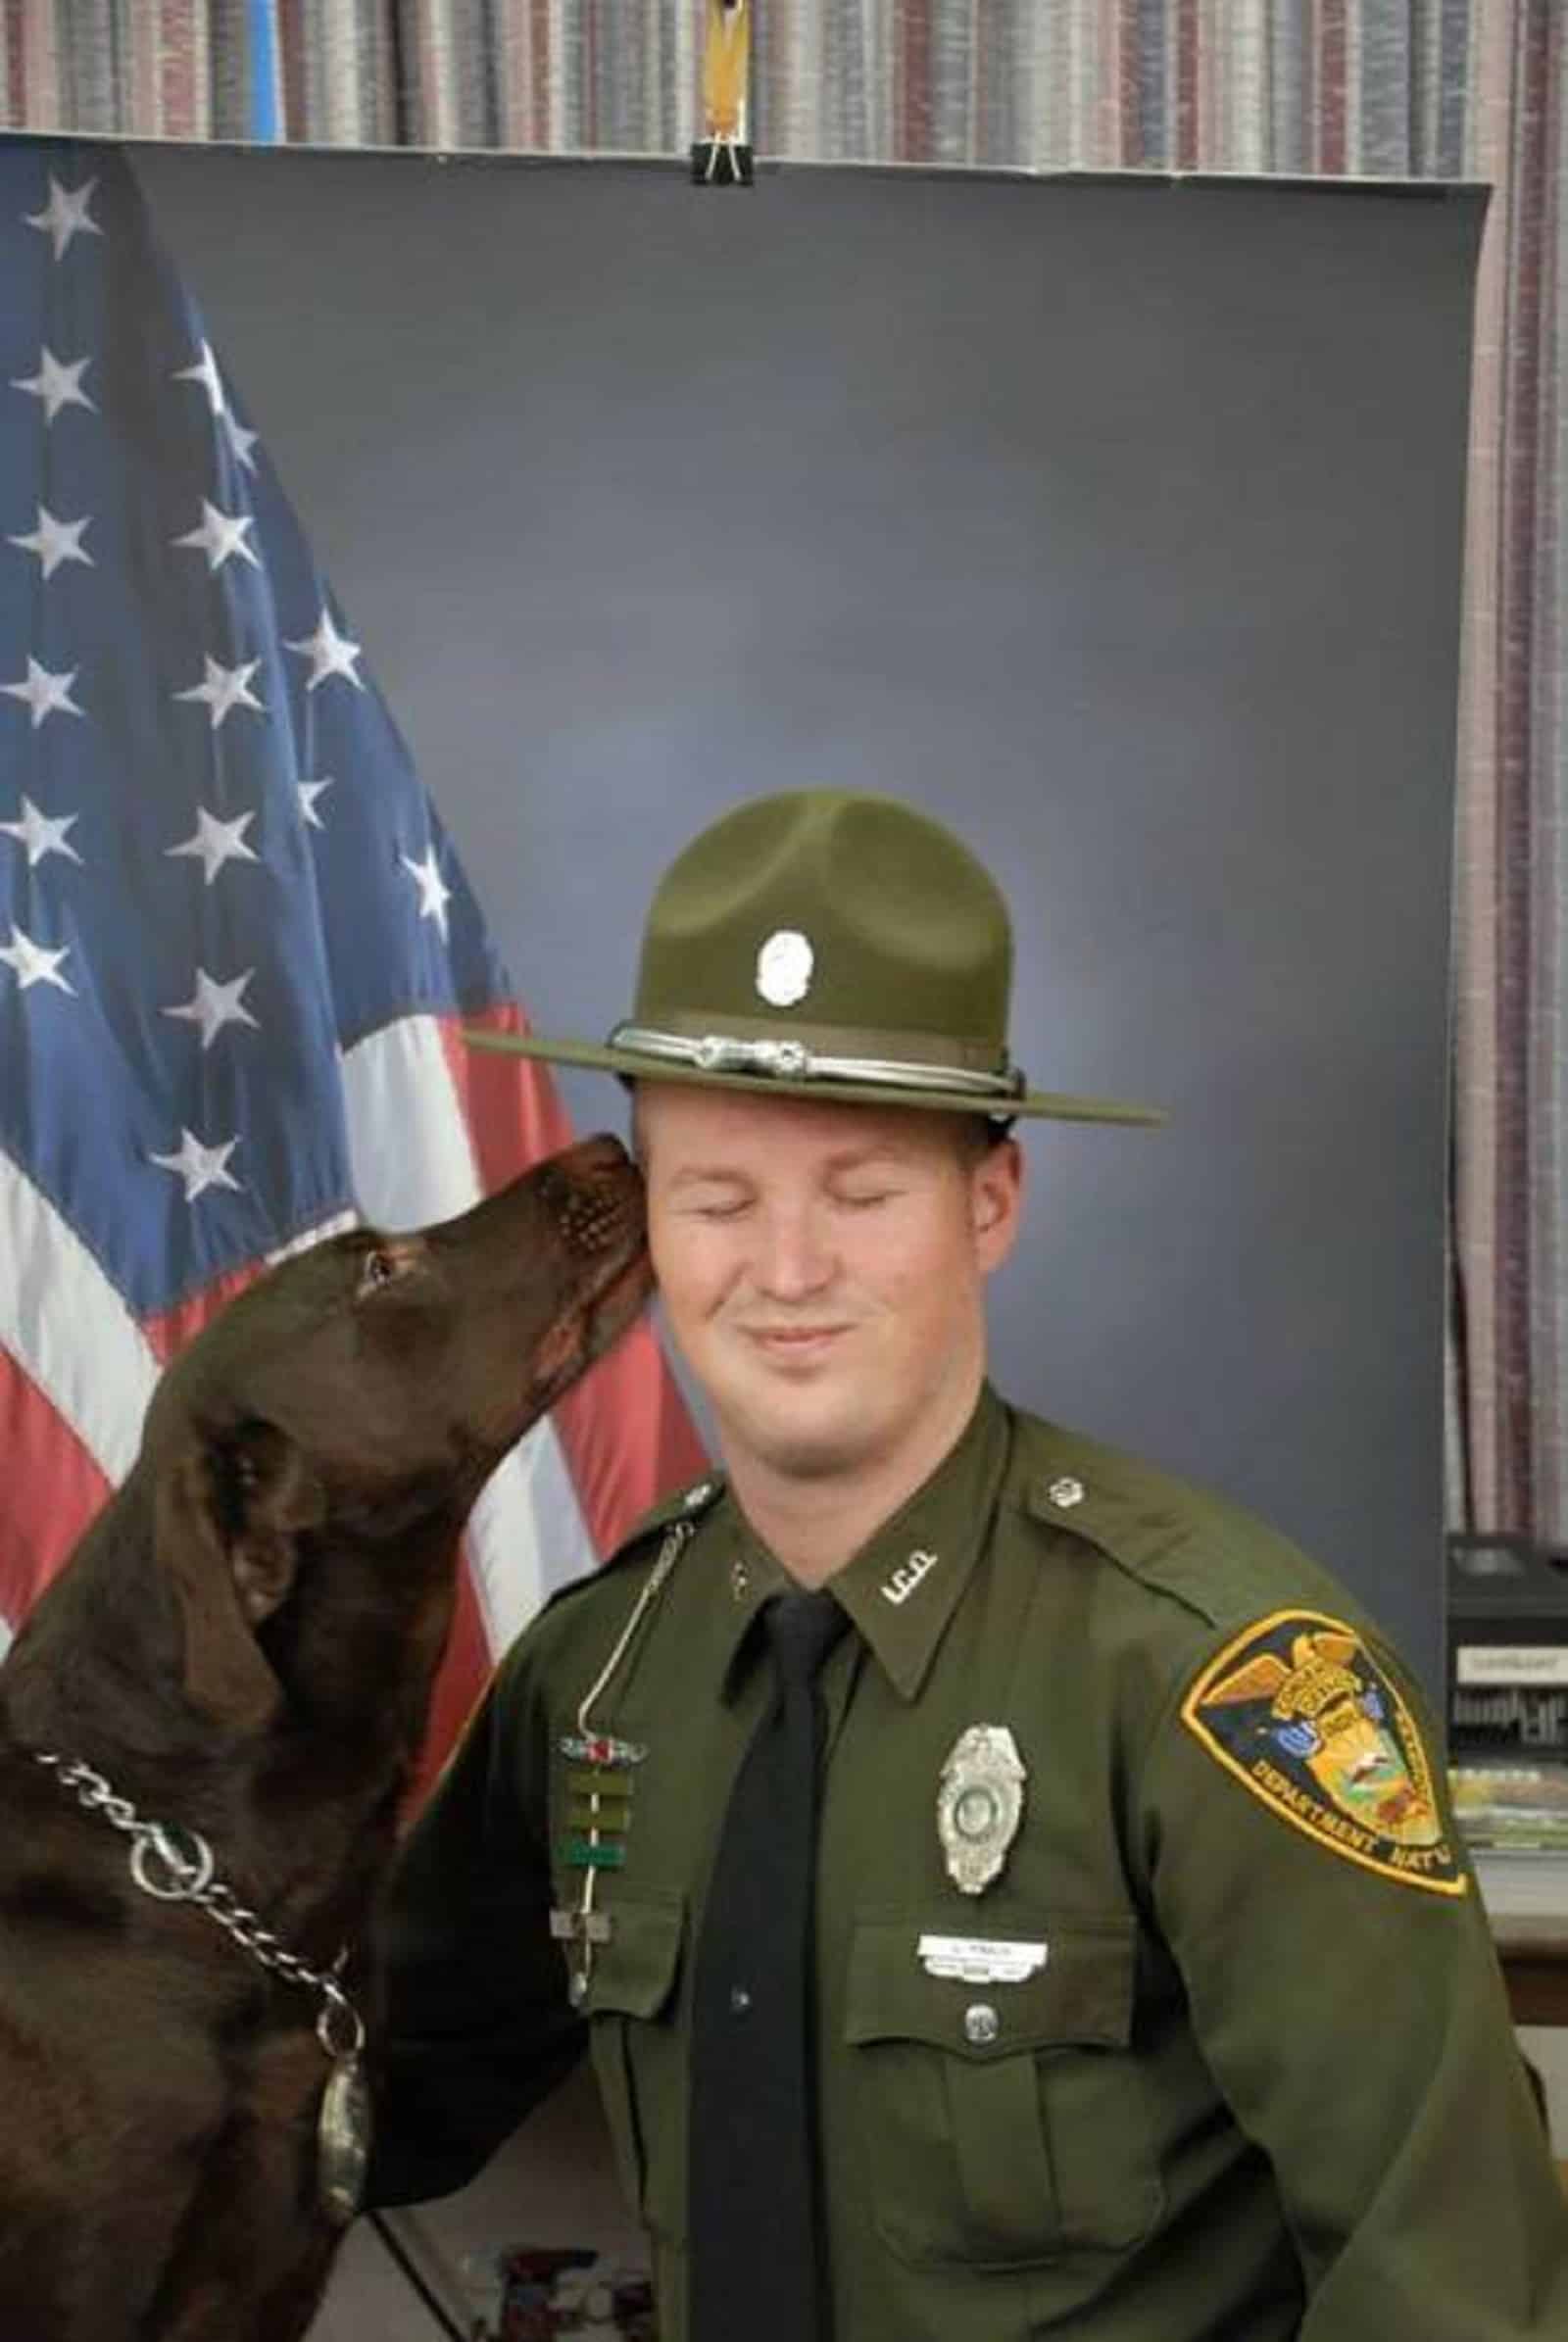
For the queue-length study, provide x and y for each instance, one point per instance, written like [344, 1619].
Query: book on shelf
[1518, 1808]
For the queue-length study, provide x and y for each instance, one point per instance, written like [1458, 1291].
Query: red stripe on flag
[53, 1490]
[627, 1436]
[511, 1107]
[463, 1672]
[168, 1334]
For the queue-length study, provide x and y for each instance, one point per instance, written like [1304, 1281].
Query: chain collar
[176, 1866]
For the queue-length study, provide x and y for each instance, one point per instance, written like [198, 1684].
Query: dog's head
[358, 1395]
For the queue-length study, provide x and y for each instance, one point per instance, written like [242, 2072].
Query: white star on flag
[65, 214]
[40, 834]
[205, 372]
[213, 842]
[55, 541]
[224, 688]
[34, 962]
[330, 653]
[277, 1033]
[44, 692]
[200, 1167]
[434, 893]
[220, 535]
[212, 1005]
[56, 383]
[309, 791]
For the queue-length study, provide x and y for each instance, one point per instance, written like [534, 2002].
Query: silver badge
[979, 1805]
[784, 968]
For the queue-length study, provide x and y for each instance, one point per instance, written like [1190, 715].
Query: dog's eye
[378, 1268]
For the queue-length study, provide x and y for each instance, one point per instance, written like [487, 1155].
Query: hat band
[793, 1062]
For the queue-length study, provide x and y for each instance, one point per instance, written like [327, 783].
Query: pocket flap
[634, 1972]
[1083, 1994]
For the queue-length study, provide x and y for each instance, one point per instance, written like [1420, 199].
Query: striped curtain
[1424, 88]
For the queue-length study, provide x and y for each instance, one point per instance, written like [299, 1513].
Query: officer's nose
[795, 1256]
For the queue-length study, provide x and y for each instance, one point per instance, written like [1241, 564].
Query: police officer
[1077, 1941]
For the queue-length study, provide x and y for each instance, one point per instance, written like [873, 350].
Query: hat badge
[784, 967]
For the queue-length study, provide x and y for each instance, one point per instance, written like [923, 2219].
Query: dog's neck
[312, 1793]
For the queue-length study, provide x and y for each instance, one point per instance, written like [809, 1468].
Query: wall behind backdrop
[1133, 552]
[1446, 88]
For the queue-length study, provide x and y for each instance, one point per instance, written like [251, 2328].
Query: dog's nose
[604, 1151]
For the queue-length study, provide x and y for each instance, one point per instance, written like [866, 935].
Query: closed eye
[701, 1198]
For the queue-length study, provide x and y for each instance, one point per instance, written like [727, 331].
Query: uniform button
[1066, 1492]
[981, 2025]
[740, 1578]
[695, 1499]
[740, 2000]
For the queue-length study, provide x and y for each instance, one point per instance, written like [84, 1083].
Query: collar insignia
[907, 1576]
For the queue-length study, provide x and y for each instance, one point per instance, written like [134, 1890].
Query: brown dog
[243, 1647]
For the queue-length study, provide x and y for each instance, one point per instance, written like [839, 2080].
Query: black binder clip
[722, 162]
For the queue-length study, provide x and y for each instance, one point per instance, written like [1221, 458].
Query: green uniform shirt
[1258, 2083]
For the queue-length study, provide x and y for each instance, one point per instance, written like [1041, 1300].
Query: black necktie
[753, 2258]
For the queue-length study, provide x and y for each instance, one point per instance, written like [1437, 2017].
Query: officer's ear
[996, 1201]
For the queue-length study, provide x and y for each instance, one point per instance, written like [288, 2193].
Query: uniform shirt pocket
[639, 2054]
[1004, 2123]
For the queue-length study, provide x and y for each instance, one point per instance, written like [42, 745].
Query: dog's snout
[601, 1152]
[594, 1194]
[599, 1218]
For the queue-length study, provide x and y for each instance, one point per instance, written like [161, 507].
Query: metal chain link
[187, 1877]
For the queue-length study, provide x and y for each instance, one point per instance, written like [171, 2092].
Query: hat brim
[1050, 1104]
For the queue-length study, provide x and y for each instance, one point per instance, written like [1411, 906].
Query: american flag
[235, 944]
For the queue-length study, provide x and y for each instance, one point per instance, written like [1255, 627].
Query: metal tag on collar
[979, 1805]
[343, 2126]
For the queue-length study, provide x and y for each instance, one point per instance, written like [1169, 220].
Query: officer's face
[822, 1267]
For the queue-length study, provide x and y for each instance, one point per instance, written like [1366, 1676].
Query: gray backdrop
[1116, 521]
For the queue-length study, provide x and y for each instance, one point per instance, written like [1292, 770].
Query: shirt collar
[904, 1585]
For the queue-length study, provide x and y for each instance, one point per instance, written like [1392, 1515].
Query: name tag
[979, 1959]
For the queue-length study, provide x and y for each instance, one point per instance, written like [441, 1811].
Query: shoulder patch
[1297, 1707]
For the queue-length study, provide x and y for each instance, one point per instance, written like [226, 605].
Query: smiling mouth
[793, 1342]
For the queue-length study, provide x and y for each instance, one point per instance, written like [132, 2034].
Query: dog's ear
[230, 1510]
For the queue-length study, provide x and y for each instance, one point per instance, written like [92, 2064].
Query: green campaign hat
[827, 944]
